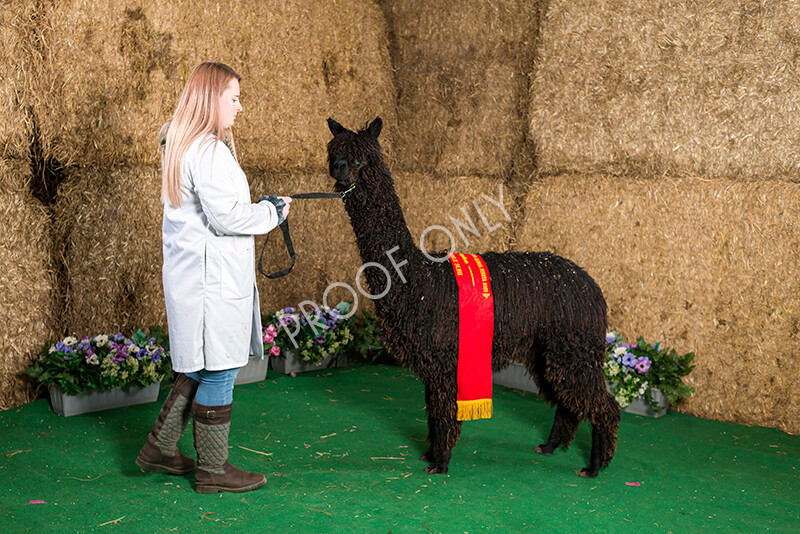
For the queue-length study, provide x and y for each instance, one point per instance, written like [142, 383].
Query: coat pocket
[236, 271]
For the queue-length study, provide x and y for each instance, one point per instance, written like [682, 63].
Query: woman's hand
[288, 201]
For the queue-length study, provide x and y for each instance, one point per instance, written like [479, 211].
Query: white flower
[151, 349]
[132, 349]
[69, 341]
[619, 351]
[52, 349]
[93, 360]
[101, 340]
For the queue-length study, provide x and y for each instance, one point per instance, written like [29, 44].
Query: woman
[209, 279]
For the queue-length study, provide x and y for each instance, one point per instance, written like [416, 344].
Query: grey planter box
[94, 400]
[640, 406]
[254, 371]
[516, 376]
[290, 364]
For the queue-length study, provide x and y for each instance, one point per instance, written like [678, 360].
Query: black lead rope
[287, 238]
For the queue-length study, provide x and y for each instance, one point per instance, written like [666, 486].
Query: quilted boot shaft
[161, 451]
[214, 473]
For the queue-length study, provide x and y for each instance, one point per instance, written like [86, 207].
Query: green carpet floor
[341, 450]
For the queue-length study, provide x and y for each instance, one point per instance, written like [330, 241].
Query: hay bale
[20, 62]
[324, 241]
[108, 222]
[447, 202]
[27, 285]
[682, 88]
[705, 266]
[462, 82]
[116, 72]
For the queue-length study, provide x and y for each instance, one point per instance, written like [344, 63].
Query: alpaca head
[349, 152]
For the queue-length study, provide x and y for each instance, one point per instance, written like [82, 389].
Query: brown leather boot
[161, 453]
[214, 473]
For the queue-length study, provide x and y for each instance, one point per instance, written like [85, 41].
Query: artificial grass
[341, 448]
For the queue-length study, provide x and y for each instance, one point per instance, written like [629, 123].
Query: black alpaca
[549, 314]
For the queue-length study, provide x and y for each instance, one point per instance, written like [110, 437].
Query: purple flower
[610, 338]
[68, 350]
[629, 359]
[60, 346]
[643, 364]
[141, 354]
[631, 345]
[319, 340]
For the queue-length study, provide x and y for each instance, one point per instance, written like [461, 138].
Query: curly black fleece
[549, 313]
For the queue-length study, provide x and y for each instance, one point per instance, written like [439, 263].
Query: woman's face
[229, 105]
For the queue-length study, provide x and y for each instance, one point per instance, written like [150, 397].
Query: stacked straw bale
[682, 88]
[27, 283]
[19, 61]
[324, 241]
[115, 72]
[108, 223]
[462, 82]
[706, 266]
[428, 200]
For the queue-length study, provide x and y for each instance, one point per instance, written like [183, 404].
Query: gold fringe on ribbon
[474, 409]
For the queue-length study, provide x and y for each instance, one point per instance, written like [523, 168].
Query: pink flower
[275, 350]
[271, 329]
[269, 338]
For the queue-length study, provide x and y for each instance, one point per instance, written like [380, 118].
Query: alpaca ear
[375, 126]
[335, 127]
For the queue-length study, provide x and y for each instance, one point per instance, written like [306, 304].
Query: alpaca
[548, 312]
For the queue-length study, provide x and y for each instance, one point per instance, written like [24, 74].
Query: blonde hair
[196, 115]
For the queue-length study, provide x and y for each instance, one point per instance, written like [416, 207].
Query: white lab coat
[209, 262]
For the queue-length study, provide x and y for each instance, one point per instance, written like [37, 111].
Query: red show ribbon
[475, 332]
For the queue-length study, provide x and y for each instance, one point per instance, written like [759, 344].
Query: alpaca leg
[564, 426]
[605, 423]
[444, 431]
[428, 456]
[447, 432]
[579, 386]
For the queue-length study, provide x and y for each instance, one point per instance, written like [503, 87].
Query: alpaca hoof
[436, 469]
[587, 473]
[541, 450]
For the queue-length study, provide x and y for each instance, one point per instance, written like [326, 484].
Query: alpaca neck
[383, 238]
[380, 226]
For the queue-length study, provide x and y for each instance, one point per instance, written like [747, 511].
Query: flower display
[312, 334]
[633, 369]
[103, 362]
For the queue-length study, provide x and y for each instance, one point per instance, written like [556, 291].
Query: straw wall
[27, 282]
[324, 241]
[461, 71]
[682, 88]
[706, 266]
[18, 59]
[108, 223]
[115, 72]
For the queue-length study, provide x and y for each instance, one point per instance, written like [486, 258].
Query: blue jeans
[216, 387]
